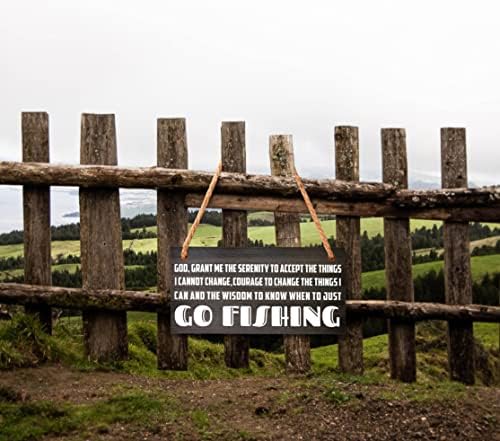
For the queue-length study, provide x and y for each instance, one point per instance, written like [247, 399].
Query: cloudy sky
[282, 66]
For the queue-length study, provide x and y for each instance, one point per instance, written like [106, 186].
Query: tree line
[136, 228]
[130, 257]
[372, 255]
[132, 228]
[72, 232]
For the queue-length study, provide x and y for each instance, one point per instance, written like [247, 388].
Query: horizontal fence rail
[240, 191]
[124, 300]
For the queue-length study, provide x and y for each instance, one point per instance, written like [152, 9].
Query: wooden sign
[257, 291]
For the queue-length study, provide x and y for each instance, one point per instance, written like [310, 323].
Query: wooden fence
[104, 301]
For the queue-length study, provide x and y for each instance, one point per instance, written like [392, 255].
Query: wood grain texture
[341, 208]
[172, 219]
[457, 269]
[118, 300]
[348, 237]
[287, 228]
[398, 259]
[105, 331]
[363, 198]
[234, 228]
[36, 212]
[102, 176]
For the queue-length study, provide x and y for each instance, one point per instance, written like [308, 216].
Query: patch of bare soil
[270, 408]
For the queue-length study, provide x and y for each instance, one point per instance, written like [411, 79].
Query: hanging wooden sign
[257, 291]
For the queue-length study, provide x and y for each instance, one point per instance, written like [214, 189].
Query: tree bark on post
[457, 270]
[398, 259]
[348, 237]
[287, 227]
[172, 218]
[36, 207]
[105, 332]
[234, 227]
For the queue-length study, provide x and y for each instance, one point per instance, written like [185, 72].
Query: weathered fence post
[457, 270]
[398, 260]
[234, 227]
[348, 237]
[105, 332]
[287, 227]
[36, 206]
[172, 219]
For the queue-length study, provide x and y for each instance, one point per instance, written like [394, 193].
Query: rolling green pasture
[209, 235]
[372, 225]
[70, 267]
[480, 265]
[372, 279]
[431, 361]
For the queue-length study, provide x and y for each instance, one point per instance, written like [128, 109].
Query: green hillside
[373, 279]
[72, 398]
[207, 359]
[480, 265]
[206, 235]
[70, 267]
[209, 235]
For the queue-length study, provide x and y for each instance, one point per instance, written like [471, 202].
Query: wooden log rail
[120, 300]
[239, 191]
[102, 176]
[384, 208]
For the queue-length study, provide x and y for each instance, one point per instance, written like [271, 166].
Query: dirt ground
[269, 408]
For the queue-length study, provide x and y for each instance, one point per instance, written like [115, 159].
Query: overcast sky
[282, 66]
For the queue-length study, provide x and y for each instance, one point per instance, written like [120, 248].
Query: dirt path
[268, 408]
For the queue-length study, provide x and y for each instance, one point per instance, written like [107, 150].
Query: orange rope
[314, 215]
[201, 212]
[208, 195]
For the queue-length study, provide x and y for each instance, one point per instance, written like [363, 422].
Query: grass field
[209, 235]
[489, 241]
[206, 359]
[480, 265]
[71, 397]
[206, 235]
[376, 348]
[373, 279]
[372, 226]
[70, 267]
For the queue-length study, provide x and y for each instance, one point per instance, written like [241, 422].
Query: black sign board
[257, 291]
